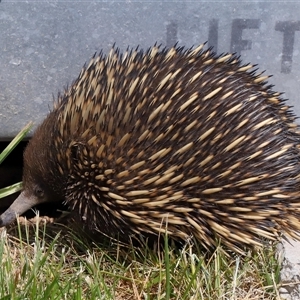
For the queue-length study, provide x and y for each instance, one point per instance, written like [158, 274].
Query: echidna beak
[19, 206]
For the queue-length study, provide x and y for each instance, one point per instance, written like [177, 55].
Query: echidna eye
[39, 192]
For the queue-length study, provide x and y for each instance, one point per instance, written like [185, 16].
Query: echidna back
[179, 137]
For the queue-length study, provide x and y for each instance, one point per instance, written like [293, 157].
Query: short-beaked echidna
[176, 136]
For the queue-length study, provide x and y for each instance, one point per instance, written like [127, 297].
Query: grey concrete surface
[290, 272]
[44, 44]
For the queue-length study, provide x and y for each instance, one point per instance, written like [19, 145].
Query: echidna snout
[178, 140]
[20, 206]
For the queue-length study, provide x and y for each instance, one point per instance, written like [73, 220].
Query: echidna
[177, 140]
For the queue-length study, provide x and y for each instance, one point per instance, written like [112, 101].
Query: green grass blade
[4, 192]
[15, 142]
[168, 267]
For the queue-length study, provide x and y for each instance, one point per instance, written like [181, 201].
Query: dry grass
[40, 261]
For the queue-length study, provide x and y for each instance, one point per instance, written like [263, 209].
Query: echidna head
[39, 179]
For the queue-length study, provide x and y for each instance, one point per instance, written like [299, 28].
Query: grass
[49, 261]
[44, 260]
[4, 192]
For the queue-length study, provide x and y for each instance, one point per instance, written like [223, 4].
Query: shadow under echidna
[169, 140]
